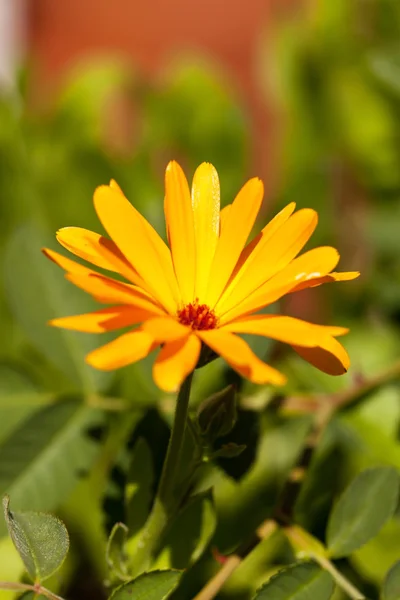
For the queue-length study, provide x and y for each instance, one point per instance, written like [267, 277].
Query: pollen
[197, 316]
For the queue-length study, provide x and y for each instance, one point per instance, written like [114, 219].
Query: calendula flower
[206, 287]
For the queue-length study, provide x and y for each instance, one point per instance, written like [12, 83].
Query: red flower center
[197, 316]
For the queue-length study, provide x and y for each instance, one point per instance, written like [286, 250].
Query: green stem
[165, 502]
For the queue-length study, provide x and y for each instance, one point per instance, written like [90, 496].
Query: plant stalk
[165, 503]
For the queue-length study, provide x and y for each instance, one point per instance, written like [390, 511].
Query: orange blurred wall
[150, 32]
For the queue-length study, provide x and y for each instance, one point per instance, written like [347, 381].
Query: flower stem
[165, 502]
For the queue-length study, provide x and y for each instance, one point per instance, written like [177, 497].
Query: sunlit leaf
[304, 581]
[41, 539]
[155, 585]
[115, 554]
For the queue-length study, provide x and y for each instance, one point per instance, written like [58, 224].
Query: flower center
[197, 316]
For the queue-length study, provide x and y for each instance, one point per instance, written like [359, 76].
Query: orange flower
[206, 287]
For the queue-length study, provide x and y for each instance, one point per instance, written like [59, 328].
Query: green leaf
[18, 399]
[41, 539]
[365, 506]
[155, 585]
[391, 585]
[139, 488]
[189, 534]
[115, 553]
[44, 458]
[37, 292]
[303, 581]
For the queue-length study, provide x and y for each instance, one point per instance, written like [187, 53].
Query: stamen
[197, 316]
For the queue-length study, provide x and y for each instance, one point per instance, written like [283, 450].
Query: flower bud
[217, 415]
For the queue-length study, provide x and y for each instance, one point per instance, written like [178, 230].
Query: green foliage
[139, 487]
[363, 509]
[302, 581]
[116, 553]
[41, 540]
[155, 585]
[39, 470]
[391, 585]
[190, 533]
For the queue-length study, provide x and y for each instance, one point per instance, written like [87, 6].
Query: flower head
[206, 287]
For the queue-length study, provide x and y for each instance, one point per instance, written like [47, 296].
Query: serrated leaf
[155, 585]
[303, 581]
[365, 506]
[43, 459]
[115, 553]
[391, 585]
[37, 292]
[189, 534]
[41, 539]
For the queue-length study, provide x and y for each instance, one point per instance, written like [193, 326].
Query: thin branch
[211, 589]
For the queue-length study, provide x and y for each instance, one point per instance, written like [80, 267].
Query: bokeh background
[302, 93]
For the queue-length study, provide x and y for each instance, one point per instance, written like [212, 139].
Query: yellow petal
[106, 319]
[206, 208]
[98, 250]
[165, 329]
[140, 244]
[223, 216]
[314, 263]
[240, 357]
[180, 228]
[316, 281]
[285, 329]
[107, 290]
[237, 228]
[331, 357]
[270, 255]
[174, 363]
[265, 234]
[126, 349]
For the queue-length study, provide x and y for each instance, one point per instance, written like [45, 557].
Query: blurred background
[304, 94]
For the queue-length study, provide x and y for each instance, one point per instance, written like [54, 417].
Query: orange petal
[126, 349]
[206, 208]
[316, 281]
[107, 290]
[285, 329]
[240, 357]
[174, 363]
[279, 242]
[314, 263]
[165, 329]
[66, 263]
[330, 357]
[84, 243]
[140, 244]
[106, 319]
[98, 250]
[237, 228]
[180, 227]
